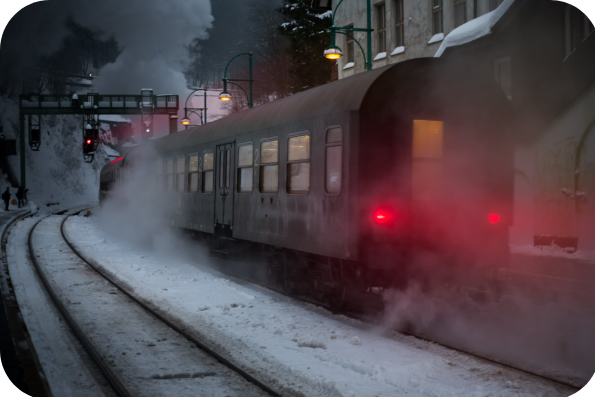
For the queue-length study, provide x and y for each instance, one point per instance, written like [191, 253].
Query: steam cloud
[152, 35]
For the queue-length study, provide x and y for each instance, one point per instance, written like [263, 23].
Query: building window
[578, 27]
[193, 173]
[333, 161]
[180, 173]
[244, 172]
[380, 27]
[399, 7]
[269, 166]
[350, 45]
[207, 172]
[589, 26]
[503, 75]
[168, 174]
[460, 12]
[438, 17]
[494, 4]
[298, 165]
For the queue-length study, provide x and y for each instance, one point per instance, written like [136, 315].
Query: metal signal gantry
[90, 106]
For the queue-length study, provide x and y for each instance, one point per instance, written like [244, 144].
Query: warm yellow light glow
[185, 121]
[333, 56]
[224, 97]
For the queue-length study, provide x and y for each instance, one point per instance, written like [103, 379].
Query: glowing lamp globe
[333, 52]
[185, 121]
[224, 96]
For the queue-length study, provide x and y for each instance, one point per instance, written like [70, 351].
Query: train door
[224, 192]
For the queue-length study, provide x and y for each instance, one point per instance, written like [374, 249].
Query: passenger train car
[354, 184]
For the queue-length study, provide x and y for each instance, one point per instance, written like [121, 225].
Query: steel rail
[170, 324]
[33, 374]
[112, 379]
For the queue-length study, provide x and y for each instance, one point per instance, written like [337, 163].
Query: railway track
[139, 351]
[361, 320]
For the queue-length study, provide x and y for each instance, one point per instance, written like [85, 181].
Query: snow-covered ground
[149, 358]
[294, 346]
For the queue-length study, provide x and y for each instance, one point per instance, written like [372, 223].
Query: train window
[298, 166]
[428, 150]
[180, 173]
[333, 161]
[193, 173]
[169, 174]
[269, 167]
[221, 169]
[228, 173]
[244, 170]
[207, 172]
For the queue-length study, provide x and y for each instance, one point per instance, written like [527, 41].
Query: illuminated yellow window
[428, 150]
[428, 139]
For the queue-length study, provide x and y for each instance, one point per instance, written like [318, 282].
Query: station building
[541, 53]
[403, 29]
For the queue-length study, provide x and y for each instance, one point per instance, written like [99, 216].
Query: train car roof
[336, 97]
[341, 96]
[111, 165]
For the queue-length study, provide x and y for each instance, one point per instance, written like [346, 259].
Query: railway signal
[91, 139]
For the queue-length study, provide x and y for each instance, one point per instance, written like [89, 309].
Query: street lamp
[225, 95]
[186, 121]
[333, 52]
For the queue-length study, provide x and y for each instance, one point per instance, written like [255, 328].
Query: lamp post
[186, 121]
[225, 95]
[333, 52]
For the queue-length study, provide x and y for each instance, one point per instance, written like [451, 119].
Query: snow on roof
[474, 29]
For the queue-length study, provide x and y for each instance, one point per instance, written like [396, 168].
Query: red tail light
[494, 218]
[381, 217]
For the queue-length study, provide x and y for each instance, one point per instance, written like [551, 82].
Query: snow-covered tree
[308, 36]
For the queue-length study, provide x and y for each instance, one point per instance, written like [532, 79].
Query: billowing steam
[152, 35]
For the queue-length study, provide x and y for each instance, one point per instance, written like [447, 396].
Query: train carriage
[348, 184]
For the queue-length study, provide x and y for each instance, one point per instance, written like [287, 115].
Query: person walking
[20, 194]
[6, 197]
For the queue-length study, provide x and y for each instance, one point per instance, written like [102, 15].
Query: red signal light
[89, 141]
[494, 218]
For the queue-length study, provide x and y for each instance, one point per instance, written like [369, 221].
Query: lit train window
[168, 174]
[244, 170]
[428, 151]
[269, 167]
[333, 161]
[193, 173]
[298, 166]
[180, 173]
[207, 172]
